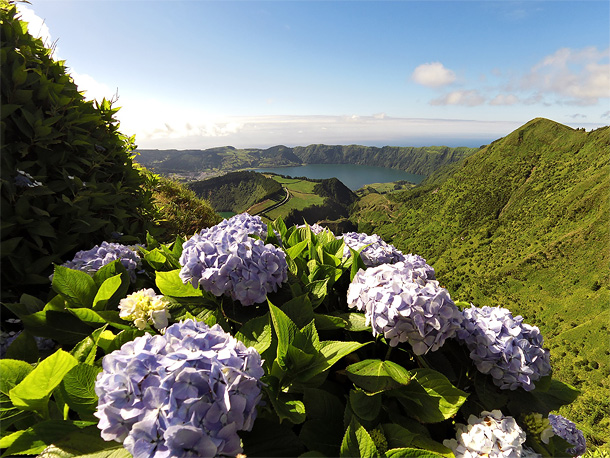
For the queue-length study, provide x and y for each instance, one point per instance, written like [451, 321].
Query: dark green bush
[82, 186]
[179, 210]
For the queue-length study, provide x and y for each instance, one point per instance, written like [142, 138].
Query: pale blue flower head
[401, 302]
[224, 259]
[90, 261]
[503, 346]
[568, 431]
[184, 393]
[377, 251]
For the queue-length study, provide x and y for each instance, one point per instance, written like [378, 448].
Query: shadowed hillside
[236, 191]
[523, 224]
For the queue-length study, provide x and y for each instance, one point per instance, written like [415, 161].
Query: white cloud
[93, 89]
[504, 99]
[183, 132]
[470, 98]
[580, 77]
[433, 74]
[36, 25]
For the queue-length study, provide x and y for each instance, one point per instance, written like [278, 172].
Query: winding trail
[274, 206]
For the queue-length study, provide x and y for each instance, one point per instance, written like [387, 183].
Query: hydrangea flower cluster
[145, 307]
[90, 261]
[376, 253]
[184, 393]
[251, 225]
[25, 180]
[404, 303]
[225, 260]
[491, 435]
[568, 431]
[504, 347]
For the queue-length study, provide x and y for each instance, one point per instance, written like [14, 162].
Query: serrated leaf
[256, 333]
[410, 452]
[75, 286]
[357, 442]
[375, 376]
[430, 397]
[78, 388]
[170, 284]
[295, 250]
[107, 290]
[285, 330]
[34, 391]
[35, 439]
[155, 258]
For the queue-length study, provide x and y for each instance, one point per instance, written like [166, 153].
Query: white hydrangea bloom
[145, 307]
[491, 435]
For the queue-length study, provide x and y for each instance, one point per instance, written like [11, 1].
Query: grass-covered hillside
[237, 191]
[523, 224]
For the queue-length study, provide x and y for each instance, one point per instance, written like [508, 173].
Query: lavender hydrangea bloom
[404, 303]
[491, 435]
[376, 253]
[504, 347]
[251, 225]
[185, 393]
[568, 431]
[90, 261]
[227, 261]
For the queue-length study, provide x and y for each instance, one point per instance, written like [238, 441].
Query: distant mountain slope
[225, 158]
[236, 191]
[523, 223]
[421, 161]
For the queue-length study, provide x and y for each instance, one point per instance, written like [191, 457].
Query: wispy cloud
[433, 74]
[469, 98]
[578, 77]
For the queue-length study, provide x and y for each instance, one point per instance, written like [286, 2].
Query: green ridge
[523, 224]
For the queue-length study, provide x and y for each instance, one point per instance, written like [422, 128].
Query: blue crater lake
[351, 175]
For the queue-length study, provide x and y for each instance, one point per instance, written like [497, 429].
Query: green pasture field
[301, 196]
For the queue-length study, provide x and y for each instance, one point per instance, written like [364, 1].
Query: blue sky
[198, 74]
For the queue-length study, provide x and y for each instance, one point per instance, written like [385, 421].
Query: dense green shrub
[67, 180]
[179, 210]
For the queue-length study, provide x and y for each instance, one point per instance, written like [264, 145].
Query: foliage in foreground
[335, 358]
[67, 179]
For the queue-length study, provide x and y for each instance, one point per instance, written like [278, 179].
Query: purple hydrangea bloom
[185, 393]
[504, 347]
[568, 431]
[90, 261]
[228, 261]
[491, 435]
[376, 253]
[403, 302]
[251, 225]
